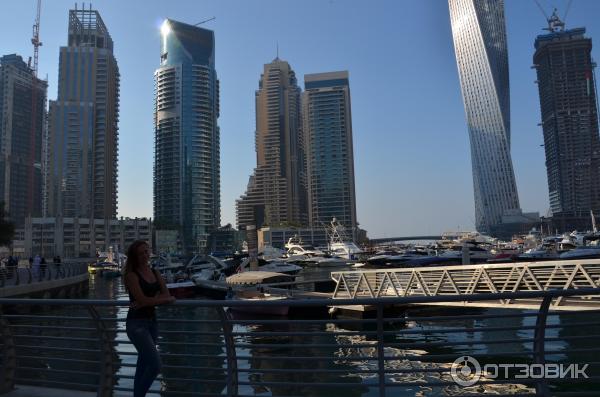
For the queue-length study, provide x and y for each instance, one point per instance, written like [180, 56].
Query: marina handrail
[402, 348]
[325, 302]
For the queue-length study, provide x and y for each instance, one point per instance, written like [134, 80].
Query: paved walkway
[33, 391]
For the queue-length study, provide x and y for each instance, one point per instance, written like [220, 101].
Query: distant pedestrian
[146, 290]
[43, 266]
[57, 263]
[12, 265]
[35, 269]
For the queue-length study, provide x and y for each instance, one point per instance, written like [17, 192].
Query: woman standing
[146, 289]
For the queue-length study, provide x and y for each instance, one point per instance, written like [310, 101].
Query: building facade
[327, 130]
[22, 134]
[83, 134]
[79, 237]
[569, 111]
[276, 192]
[186, 146]
[479, 34]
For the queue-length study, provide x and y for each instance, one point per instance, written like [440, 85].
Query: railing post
[232, 374]
[539, 344]
[380, 351]
[9, 364]
[107, 352]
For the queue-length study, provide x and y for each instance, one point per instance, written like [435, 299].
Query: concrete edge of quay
[42, 286]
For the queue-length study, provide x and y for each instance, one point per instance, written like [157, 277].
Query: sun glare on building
[165, 28]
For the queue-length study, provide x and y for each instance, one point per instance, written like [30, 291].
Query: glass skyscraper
[22, 127]
[478, 30]
[330, 157]
[83, 123]
[186, 148]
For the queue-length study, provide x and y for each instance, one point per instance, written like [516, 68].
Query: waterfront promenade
[54, 280]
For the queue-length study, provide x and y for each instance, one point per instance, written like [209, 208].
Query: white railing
[475, 279]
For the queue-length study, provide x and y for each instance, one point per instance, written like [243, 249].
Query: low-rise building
[79, 237]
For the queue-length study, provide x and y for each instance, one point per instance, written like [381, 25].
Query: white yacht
[476, 253]
[339, 243]
[582, 252]
[268, 252]
[296, 248]
[271, 266]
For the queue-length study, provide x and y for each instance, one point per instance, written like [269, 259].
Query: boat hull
[184, 289]
[262, 309]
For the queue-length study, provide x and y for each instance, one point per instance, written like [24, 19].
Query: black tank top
[148, 289]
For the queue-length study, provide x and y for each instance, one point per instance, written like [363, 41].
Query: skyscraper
[22, 127]
[83, 127]
[277, 189]
[478, 30]
[330, 157]
[570, 122]
[186, 147]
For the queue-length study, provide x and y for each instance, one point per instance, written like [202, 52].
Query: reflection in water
[41, 343]
[192, 343]
[266, 358]
[186, 344]
[410, 369]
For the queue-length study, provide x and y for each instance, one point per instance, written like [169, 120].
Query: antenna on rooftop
[206, 20]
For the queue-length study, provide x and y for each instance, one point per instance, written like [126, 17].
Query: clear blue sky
[411, 148]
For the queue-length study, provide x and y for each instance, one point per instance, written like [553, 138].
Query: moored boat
[258, 297]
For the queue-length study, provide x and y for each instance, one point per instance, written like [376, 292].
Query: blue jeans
[143, 333]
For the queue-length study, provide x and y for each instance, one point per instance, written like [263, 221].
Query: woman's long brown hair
[133, 261]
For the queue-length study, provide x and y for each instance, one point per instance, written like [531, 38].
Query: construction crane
[555, 24]
[35, 40]
[31, 163]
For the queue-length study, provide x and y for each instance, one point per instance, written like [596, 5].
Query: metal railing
[475, 279]
[13, 276]
[216, 348]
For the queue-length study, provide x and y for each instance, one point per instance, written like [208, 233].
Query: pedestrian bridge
[476, 279]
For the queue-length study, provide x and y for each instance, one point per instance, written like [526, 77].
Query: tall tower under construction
[569, 108]
[83, 123]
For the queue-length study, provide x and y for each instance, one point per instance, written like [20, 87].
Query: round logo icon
[465, 371]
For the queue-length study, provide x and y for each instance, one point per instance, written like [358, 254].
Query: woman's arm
[141, 300]
[164, 291]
